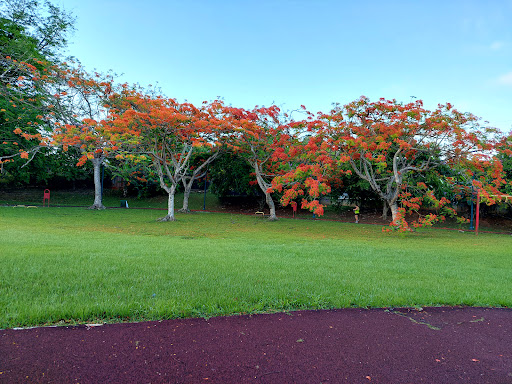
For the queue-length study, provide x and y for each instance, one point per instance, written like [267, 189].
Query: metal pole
[471, 222]
[477, 212]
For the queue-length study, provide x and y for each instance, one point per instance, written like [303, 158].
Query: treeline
[58, 121]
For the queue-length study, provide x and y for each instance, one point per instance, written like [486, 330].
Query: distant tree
[505, 156]
[309, 171]
[33, 29]
[32, 37]
[352, 190]
[138, 178]
[385, 142]
[49, 167]
[213, 135]
[272, 143]
[199, 164]
[61, 169]
[48, 102]
[170, 133]
[85, 125]
[232, 175]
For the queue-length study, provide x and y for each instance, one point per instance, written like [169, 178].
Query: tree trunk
[186, 195]
[272, 207]
[264, 188]
[394, 210]
[385, 208]
[98, 204]
[170, 205]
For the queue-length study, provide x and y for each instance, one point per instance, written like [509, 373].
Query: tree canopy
[32, 38]
[408, 156]
[387, 142]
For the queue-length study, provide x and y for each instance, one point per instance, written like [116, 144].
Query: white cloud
[505, 79]
[496, 45]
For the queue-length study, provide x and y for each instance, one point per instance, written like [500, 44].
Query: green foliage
[139, 178]
[31, 35]
[231, 175]
[32, 29]
[358, 191]
[506, 161]
[48, 168]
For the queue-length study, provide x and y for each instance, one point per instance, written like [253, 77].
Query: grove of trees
[53, 113]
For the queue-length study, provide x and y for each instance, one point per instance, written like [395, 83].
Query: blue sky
[295, 52]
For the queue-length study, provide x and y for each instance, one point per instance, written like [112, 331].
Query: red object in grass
[46, 197]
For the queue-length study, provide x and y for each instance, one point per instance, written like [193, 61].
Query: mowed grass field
[66, 265]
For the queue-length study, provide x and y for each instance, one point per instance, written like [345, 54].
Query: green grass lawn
[75, 265]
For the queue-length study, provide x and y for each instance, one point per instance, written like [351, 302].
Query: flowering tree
[71, 105]
[32, 36]
[23, 104]
[170, 133]
[197, 170]
[45, 102]
[214, 131]
[87, 128]
[311, 172]
[261, 138]
[280, 151]
[385, 142]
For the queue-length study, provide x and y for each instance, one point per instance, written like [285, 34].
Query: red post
[477, 221]
[46, 197]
